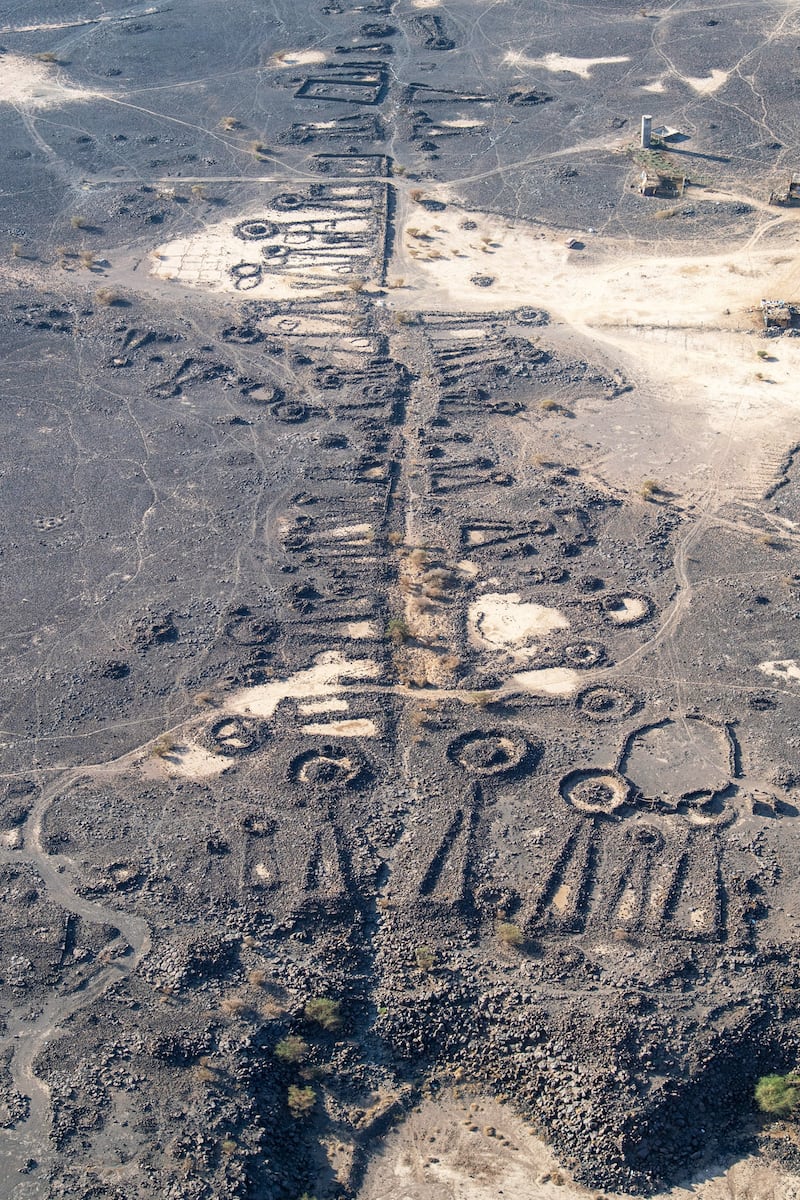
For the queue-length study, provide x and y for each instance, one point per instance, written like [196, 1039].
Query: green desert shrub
[324, 1012]
[777, 1095]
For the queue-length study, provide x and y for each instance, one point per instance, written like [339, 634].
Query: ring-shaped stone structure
[328, 766]
[595, 791]
[606, 702]
[255, 231]
[487, 752]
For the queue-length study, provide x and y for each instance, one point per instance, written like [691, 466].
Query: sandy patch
[549, 681]
[361, 629]
[630, 609]
[560, 62]
[320, 706]
[656, 87]
[361, 727]
[468, 568]
[460, 1150]
[297, 58]
[194, 762]
[711, 83]
[502, 621]
[786, 668]
[425, 3]
[266, 254]
[681, 320]
[323, 679]
[11, 839]
[461, 123]
[32, 84]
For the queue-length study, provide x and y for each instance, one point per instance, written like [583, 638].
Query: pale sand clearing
[357, 630]
[477, 1149]
[193, 762]
[549, 681]
[657, 87]
[502, 621]
[560, 62]
[786, 668]
[31, 84]
[461, 123]
[361, 727]
[99, 20]
[682, 320]
[204, 260]
[297, 58]
[323, 679]
[321, 706]
[711, 83]
[631, 609]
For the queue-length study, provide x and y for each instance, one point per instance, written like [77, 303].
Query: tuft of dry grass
[107, 297]
[163, 746]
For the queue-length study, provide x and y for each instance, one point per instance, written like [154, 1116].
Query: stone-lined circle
[606, 702]
[584, 654]
[235, 735]
[328, 766]
[492, 752]
[595, 791]
[255, 231]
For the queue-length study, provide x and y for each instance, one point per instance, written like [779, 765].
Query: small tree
[324, 1012]
[777, 1094]
[397, 631]
[291, 1049]
[300, 1100]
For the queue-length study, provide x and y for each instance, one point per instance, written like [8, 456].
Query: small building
[789, 196]
[780, 314]
[669, 187]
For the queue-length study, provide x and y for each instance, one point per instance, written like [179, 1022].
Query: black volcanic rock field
[401, 587]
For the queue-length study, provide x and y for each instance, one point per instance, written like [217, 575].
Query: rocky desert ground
[401, 485]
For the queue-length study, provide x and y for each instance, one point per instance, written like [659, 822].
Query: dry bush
[649, 488]
[425, 958]
[86, 258]
[107, 297]
[46, 56]
[77, 222]
[233, 1005]
[257, 977]
[395, 538]
[510, 934]
[230, 123]
[163, 746]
